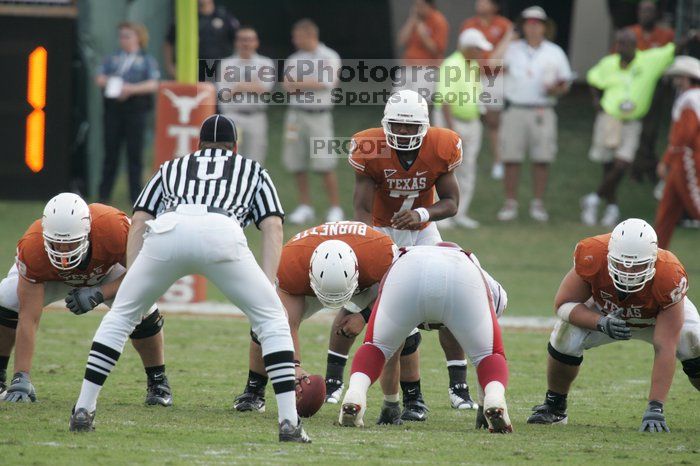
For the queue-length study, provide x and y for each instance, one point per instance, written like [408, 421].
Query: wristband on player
[423, 214]
[366, 313]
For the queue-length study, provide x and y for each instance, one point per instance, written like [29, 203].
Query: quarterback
[74, 252]
[622, 287]
[399, 169]
[434, 285]
[336, 265]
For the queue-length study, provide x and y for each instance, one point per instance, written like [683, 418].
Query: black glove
[654, 420]
[615, 328]
[81, 300]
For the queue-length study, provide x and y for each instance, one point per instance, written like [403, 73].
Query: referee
[188, 220]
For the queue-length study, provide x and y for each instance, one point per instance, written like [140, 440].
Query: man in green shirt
[458, 106]
[626, 80]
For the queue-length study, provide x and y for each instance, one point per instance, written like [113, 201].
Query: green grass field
[207, 356]
[207, 367]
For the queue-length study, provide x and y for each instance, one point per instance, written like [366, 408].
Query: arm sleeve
[356, 159]
[151, 196]
[266, 202]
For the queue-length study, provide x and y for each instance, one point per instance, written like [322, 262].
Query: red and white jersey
[668, 287]
[399, 189]
[108, 237]
[374, 252]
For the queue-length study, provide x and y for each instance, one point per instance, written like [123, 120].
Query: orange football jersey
[396, 188]
[669, 285]
[108, 235]
[374, 251]
[493, 31]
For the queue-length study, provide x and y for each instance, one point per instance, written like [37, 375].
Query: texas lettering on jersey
[109, 230]
[399, 188]
[374, 251]
[668, 287]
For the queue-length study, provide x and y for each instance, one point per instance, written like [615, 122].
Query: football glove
[615, 328]
[654, 419]
[81, 300]
[21, 389]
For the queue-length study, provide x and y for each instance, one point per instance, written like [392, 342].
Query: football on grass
[311, 395]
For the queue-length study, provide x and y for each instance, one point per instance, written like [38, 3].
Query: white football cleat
[610, 216]
[352, 412]
[537, 211]
[496, 410]
[589, 209]
[445, 224]
[303, 214]
[464, 221]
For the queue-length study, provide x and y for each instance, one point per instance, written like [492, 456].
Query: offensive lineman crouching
[79, 251]
[622, 287]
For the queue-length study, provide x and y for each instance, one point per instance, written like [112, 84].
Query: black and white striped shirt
[216, 178]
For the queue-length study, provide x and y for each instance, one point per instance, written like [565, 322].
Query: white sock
[494, 388]
[392, 398]
[287, 407]
[359, 382]
[88, 396]
[457, 362]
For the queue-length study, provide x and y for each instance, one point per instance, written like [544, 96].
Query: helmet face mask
[632, 253]
[66, 230]
[405, 108]
[333, 273]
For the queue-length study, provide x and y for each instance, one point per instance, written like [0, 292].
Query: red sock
[492, 368]
[369, 360]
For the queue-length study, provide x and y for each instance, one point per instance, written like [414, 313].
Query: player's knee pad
[148, 327]
[691, 367]
[564, 358]
[411, 344]
[8, 318]
[254, 337]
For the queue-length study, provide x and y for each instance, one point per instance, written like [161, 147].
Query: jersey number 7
[409, 198]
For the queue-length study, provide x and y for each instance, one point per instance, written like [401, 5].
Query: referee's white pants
[470, 131]
[192, 241]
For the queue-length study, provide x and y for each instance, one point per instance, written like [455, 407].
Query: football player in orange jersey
[399, 169]
[335, 265]
[622, 287]
[76, 252]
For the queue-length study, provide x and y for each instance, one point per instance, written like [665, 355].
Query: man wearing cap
[189, 219]
[458, 107]
[537, 72]
[680, 166]
[246, 77]
[623, 85]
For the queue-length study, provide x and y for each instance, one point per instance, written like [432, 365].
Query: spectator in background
[497, 30]
[680, 167]
[247, 109]
[463, 116]
[217, 31]
[309, 115]
[537, 72]
[650, 34]
[424, 39]
[627, 80]
[128, 78]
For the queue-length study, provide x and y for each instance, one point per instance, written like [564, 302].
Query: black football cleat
[290, 433]
[250, 401]
[390, 415]
[548, 414]
[415, 409]
[81, 420]
[460, 398]
[334, 390]
[158, 391]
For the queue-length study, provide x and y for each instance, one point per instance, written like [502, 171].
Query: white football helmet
[66, 228]
[632, 252]
[334, 273]
[407, 107]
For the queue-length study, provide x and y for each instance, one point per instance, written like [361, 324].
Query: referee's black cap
[218, 128]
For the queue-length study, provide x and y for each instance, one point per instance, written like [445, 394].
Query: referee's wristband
[423, 214]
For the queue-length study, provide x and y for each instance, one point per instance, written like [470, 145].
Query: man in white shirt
[246, 77]
[537, 72]
[310, 74]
